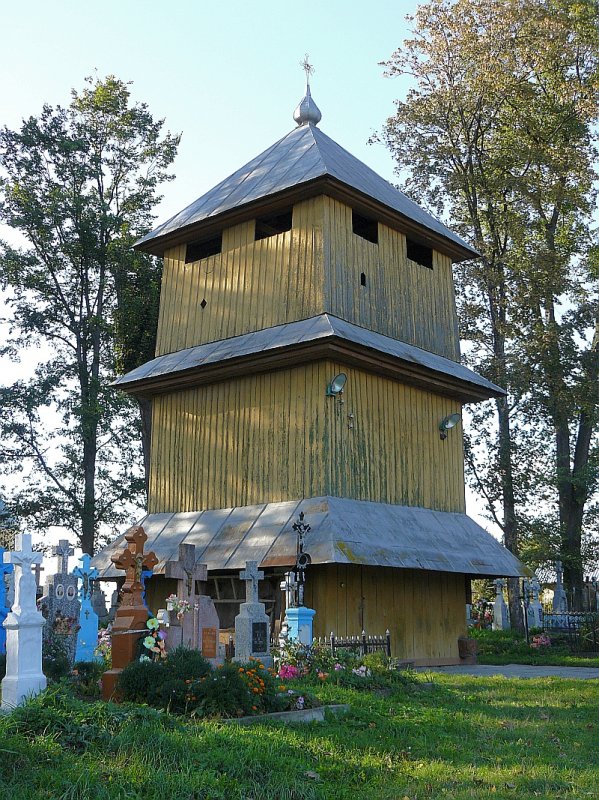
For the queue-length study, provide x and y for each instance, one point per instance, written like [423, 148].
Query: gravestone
[23, 626]
[501, 618]
[535, 609]
[183, 629]
[87, 636]
[252, 625]
[5, 570]
[197, 629]
[99, 602]
[60, 603]
[131, 615]
[560, 601]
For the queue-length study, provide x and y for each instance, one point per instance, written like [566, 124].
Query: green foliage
[79, 183]
[55, 660]
[446, 736]
[499, 128]
[87, 675]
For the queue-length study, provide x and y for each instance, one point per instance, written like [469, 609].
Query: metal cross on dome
[308, 68]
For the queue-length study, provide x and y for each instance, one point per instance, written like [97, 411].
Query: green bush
[55, 660]
[142, 682]
[86, 676]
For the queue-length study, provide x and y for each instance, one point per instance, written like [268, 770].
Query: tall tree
[500, 124]
[80, 184]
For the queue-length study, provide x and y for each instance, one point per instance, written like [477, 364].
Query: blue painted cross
[87, 637]
[5, 569]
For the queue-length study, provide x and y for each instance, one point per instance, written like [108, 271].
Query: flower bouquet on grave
[65, 626]
[153, 642]
[180, 607]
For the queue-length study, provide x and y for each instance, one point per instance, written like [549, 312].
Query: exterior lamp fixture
[448, 422]
[335, 387]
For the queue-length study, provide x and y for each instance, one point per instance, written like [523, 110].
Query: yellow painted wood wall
[423, 610]
[401, 299]
[313, 268]
[274, 437]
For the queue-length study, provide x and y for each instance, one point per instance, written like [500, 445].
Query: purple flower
[162, 635]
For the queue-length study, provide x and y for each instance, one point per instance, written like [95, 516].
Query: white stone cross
[251, 575]
[23, 558]
[63, 550]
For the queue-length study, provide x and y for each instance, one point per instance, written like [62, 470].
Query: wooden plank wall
[249, 286]
[423, 610]
[273, 437]
[311, 269]
[401, 299]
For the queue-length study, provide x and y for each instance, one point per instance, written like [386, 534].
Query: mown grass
[510, 647]
[442, 737]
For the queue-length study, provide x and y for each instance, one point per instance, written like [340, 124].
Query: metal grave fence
[361, 645]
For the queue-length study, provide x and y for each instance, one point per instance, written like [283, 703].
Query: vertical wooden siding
[248, 286]
[313, 268]
[401, 299]
[424, 611]
[273, 437]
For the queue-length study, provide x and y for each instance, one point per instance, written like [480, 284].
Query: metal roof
[343, 531]
[322, 327]
[303, 155]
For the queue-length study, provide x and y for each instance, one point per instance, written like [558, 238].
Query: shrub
[86, 676]
[142, 682]
[224, 692]
[55, 659]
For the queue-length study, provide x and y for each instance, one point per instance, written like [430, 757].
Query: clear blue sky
[225, 75]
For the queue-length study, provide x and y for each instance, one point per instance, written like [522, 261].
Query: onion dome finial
[307, 111]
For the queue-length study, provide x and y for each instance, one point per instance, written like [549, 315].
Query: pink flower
[288, 672]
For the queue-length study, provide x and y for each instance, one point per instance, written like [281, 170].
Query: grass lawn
[455, 737]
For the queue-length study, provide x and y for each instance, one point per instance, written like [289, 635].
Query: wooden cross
[133, 560]
[186, 572]
[63, 550]
[251, 575]
[87, 574]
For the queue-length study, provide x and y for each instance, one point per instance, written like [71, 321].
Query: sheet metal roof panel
[304, 154]
[343, 531]
[288, 334]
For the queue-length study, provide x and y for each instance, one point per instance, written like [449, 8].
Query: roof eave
[332, 347]
[323, 184]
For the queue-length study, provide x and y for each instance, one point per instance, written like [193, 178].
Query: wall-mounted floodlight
[335, 387]
[448, 422]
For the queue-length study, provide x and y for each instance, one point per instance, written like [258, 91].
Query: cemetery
[291, 611]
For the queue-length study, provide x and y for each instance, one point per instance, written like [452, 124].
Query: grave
[87, 636]
[5, 570]
[60, 603]
[197, 628]
[99, 602]
[252, 625]
[23, 625]
[131, 615]
[501, 617]
[534, 611]
[560, 601]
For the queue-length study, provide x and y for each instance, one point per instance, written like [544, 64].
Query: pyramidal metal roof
[304, 155]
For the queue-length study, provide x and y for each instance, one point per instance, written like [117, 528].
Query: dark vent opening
[362, 279]
[366, 228]
[273, 224]
[420, 253]
[202, 249]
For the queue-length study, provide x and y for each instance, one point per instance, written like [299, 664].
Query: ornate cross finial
[251, 575]
[85, 573]
[308, 68]
[62, 551]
